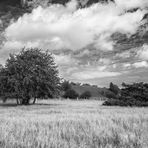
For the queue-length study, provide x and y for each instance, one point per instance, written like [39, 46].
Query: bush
[132, 102]
[114, 88]
[71, 94]
[66, 85]
[131, 95]
[85, 95]
[110, 95]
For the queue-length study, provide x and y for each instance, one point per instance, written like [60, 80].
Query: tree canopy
[30, 74]
[135, 94]
[71, 94]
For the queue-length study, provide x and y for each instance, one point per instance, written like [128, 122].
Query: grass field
[73, 124]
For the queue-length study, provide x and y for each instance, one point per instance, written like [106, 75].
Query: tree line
[135, 94]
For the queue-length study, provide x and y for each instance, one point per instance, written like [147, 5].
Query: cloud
[140, 64]
[90, 72]
[127, 65]
[130, 4]
[143, 52]
[86, 75]
[86, 35]
[60, 27]
[65, 60]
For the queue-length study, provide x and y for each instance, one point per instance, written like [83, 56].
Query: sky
[98, 44]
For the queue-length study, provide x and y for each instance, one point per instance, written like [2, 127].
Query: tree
[30, 74]
[137, 91]
[114, 88]
[110, 95]
[135, 94]
[86, 95]
[65, 85]
[71, 94]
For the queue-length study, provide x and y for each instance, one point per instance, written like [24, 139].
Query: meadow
[72, 124]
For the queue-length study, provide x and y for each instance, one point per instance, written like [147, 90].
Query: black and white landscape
[63, 64]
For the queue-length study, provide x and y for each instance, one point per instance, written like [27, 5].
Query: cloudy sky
[98, 44]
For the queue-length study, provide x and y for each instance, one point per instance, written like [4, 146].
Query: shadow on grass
[37, 104]
[8, 105]
[42, 105]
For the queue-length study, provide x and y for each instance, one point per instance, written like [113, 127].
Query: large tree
[30, 74]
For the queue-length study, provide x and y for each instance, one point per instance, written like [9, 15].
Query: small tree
[65, 85]
[114, 88]
[86, 95]
[29, 74]
[71, 94]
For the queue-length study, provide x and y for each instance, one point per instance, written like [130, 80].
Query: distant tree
[135, 94]
[29, 74]
[71, 94]
[66, 85]
[137, 91]
[114, 88]
[110, 95]
[86, 84]
[79, 84]
[73, 83]
[85, 95]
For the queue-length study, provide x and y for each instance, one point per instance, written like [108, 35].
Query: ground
[72, 124]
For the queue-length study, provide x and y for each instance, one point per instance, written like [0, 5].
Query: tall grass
[73, 124]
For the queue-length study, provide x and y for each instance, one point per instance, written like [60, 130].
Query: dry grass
[73, 124]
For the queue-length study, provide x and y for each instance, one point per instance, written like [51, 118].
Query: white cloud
[140, 64]
[86, 75]
[127, 65]
[143, 52]
[125, 54]
[130, 4]
[58, 26]
[105, 61]
[65, 60]
[91, 72]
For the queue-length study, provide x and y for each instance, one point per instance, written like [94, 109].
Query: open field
[73, 124]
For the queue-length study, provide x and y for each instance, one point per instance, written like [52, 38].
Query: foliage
[135, 94]
[71, 94]
[114, 88]
[29, 74]
[130, 102]
[110, 95]
[137, 91]
[66, 85]
[85, 95]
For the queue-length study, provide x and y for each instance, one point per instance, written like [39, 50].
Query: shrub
[65, 85]
[132, 102]
[71, 94]
[85, 95]
[135, 94]
[114, 88]
[110, 95]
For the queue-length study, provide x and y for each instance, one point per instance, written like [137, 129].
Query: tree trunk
[18, 101]
[26, 101]
[34, 100]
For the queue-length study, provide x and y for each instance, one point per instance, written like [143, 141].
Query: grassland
[73, 124]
